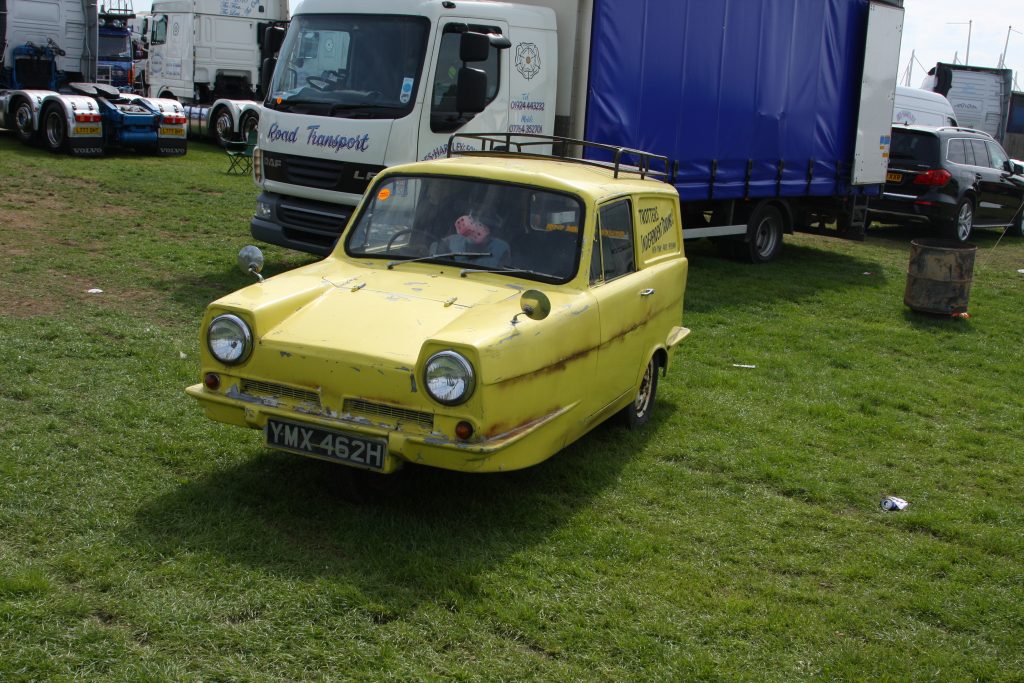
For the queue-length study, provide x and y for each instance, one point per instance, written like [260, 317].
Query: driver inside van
[473, 234]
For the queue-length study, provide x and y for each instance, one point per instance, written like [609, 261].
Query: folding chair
[240, 154]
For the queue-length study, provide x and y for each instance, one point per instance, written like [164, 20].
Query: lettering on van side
[314, 138]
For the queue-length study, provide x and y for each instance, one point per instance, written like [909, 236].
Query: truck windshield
[353, 66]
[115, 48]
[526, 231]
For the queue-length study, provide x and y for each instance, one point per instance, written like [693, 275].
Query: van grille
[357, 406]
[258, 388]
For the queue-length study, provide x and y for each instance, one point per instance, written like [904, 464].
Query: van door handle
[646, 292]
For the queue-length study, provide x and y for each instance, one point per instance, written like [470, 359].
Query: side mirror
[273, 39]
[250, 260]
[471, 97]
[535, 305]
[267, 73]
[474, 47]
[1015, 168]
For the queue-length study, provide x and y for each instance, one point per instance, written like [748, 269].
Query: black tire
[960, 226]
[222, 127]
[764, 235]
[250, 122]
[1016, 228]
[638, 412]
[24, 128]
[55, 129]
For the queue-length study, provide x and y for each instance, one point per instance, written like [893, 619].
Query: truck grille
[323, 174]
[358, 406]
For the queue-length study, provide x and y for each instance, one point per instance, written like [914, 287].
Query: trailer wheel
[250, 123]
[55, 129]
[764, 234]
[223, 126]
[23, 126]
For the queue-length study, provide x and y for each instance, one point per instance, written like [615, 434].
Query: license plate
[312, 440]
[173, 132]
[893, 177]
[87, 130]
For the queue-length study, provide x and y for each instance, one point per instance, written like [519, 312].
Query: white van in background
[919, 107]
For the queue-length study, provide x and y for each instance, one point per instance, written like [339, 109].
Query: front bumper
[301, 224]
[523, 446]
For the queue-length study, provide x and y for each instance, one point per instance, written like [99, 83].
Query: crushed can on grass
[893, 504]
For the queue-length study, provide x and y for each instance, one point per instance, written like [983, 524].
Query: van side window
[956, 152]
[615, 234]
[444, 115]
[159, 36]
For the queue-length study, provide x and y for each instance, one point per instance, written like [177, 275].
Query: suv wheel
[959, 228]
[1017, 225]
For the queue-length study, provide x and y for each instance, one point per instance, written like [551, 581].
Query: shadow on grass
[197, 289]
[800, 272]
[427, 533]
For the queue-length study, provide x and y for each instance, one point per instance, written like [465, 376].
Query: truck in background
[772, 130]
[47, 98]
[1014, 142]
[207, 54]
[115, 55]
[919, 107]
[980, 95]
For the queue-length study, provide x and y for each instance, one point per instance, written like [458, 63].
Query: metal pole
[1002, 57]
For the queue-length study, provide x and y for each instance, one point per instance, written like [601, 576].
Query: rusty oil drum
[939, 276]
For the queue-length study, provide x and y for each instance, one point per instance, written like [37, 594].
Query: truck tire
[764, 235]
[24, 128]
[250, 122]
[222, 127]
[55, 129]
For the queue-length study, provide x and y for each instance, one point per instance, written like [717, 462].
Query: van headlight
[449, 378]
[229, 339]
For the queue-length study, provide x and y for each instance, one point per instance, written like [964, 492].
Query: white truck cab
[356, 91]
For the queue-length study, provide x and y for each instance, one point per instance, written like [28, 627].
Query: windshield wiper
[450, 254]
[504, 270]
[364, 110]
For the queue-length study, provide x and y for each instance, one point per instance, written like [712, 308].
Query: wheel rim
[250, 124]
[223, 127]
[54, 130]
[766, 237]
[642, 402]
[964, 222]
[23, 119]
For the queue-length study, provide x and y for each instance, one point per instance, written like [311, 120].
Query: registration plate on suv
[891, 177]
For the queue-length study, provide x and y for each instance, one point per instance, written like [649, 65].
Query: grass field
[738, 537]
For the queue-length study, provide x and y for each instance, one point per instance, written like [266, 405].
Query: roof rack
[518, 143]
[963, 129]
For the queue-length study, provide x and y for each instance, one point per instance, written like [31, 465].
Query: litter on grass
[741, 365]
[894, 504]
[95, 290]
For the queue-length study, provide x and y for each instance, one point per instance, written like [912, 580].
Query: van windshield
[479, 224]
[349, 65]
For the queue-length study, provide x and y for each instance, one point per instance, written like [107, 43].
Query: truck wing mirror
[266, 73]
[273, 39]
[474, 47]
[472, 91]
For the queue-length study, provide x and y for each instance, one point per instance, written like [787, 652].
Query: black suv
[956, 178]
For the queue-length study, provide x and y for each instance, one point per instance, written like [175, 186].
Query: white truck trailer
[980, 95]
[777, 112]
[207, 54]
